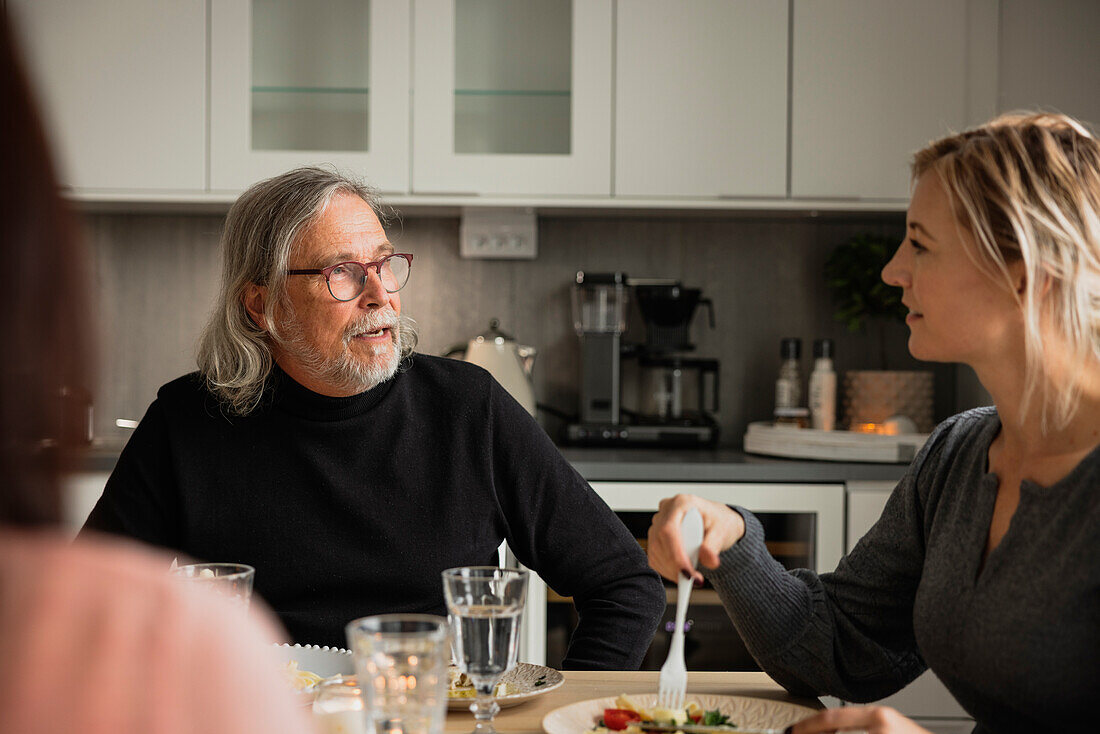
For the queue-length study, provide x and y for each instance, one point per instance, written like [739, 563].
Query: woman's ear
[254, 298]
[1018, 272]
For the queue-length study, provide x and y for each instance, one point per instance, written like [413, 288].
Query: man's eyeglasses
[346, 280]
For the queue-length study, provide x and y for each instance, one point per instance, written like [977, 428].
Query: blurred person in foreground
[95, 636]
[984, 565]
[316, 446]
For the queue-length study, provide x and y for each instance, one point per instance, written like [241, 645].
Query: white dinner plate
[525, 681]
[745, 712]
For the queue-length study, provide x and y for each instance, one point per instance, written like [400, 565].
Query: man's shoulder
[185, 388]
[446, 371]
[188, 396]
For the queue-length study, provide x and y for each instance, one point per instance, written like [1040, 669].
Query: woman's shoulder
[112, 608]
[962, 438]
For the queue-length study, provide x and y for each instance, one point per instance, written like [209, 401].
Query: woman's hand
[722, 527]
[872, 719]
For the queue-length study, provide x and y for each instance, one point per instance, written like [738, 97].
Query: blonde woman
[985, 565]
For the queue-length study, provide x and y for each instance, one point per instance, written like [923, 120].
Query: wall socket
[500, 234]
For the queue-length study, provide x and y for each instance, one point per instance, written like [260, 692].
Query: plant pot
[872, 396]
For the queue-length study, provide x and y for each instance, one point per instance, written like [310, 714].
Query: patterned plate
[525, 680]
[745, 712]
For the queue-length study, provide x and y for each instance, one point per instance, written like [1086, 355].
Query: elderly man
[316, 446]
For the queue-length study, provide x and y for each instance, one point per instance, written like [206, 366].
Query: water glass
[230, 580]
[401, 664]
[485, 604]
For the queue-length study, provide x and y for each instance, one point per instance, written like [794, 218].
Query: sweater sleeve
[140, 500]
[559, 527]
[848, 633]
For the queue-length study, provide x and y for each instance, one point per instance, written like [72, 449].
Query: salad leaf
[714, 717]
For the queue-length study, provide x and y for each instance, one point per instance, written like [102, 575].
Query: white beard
[349, 373]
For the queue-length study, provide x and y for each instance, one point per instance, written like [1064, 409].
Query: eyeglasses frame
[377, 265]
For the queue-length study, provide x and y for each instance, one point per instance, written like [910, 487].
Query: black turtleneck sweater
[353, 506]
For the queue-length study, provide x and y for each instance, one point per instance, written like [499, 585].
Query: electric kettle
[509, 363]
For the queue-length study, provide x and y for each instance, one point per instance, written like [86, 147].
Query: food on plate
[630, 716]
[299, 680]
[459, 685]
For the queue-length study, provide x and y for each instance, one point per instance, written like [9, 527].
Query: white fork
[672, 685]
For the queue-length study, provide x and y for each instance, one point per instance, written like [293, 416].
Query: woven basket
[872, 396]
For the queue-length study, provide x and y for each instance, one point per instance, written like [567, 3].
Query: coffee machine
[677, 392]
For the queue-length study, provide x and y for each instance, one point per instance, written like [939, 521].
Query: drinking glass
[230, 580]
[338, 706]
[485, 604]
[401, 665]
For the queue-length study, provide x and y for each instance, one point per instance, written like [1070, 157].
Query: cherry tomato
[617, 719]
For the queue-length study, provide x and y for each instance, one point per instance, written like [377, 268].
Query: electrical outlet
[500, 234]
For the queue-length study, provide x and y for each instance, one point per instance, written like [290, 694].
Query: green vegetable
[714, 717]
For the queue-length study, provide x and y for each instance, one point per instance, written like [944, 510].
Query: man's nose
[374, 292]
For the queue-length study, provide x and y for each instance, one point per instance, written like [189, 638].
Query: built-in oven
[803, 526]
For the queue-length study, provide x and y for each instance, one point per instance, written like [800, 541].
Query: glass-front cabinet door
[297, 83]
[512, 97]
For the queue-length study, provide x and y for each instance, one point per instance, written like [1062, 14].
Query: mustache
[383, 319]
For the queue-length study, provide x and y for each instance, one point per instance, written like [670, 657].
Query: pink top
[95, 638]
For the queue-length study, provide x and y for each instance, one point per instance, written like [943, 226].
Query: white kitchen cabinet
[512, 98]
[875, 80]
[295, 84]
[122, 85]
[925, 699]
[701, 98]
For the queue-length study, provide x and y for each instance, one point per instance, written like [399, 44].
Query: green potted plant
[853, 275]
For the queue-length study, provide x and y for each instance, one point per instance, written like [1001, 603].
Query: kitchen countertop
[717, 465]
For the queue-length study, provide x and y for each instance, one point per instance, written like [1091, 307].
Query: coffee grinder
[599, 318]
[670, 380]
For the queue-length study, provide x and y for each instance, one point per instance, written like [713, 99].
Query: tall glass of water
[485, 604]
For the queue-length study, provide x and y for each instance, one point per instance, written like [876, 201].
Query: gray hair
[234, 354]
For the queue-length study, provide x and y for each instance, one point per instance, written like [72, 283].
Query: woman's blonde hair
[262, 226]
[1027, 186]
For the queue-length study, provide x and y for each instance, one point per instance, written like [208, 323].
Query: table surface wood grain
[526, 718]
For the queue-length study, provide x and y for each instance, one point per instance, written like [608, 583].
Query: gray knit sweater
[1016, 640]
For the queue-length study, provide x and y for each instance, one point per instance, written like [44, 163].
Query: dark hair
[43, 326]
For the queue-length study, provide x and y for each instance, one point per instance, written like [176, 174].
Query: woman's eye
[916, 245]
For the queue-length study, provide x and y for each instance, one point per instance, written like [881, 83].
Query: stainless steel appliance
[677, 392]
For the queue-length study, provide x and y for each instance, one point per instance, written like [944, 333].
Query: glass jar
[338, 706]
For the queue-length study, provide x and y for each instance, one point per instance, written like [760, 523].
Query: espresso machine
[677, 393]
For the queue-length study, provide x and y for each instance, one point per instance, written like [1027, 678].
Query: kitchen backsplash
[156, 277]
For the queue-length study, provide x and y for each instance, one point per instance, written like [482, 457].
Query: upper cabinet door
[701, 98]
[512, 97]
[875, 80]
[309, 83]
[122, 86]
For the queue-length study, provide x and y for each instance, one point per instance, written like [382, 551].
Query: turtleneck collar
[288, 395]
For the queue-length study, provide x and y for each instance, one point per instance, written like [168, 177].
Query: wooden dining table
[526, 718]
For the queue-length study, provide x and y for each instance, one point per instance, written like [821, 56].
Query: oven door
[803, 527]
